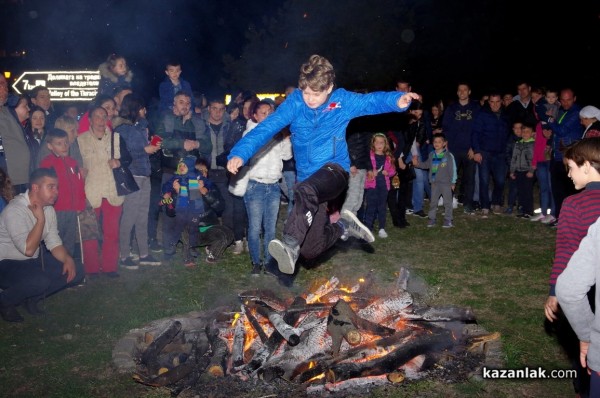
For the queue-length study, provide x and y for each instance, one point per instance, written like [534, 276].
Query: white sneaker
[238, 247]
[382, 233]
[548, 219]
[537, 217]
[353, 227]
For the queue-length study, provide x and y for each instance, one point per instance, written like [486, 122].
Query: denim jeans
[421, 186]
[262, 207]
[542, 173]
[376, 206]
[493, 165]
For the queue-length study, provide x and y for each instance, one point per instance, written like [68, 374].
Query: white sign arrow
[62, 85]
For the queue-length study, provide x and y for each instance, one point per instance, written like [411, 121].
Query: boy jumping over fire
[318, 116]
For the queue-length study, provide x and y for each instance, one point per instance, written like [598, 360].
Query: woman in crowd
[132, 127]
[100, 187]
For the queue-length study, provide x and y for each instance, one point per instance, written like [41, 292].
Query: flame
[235, 318]
[311, 365]
[317, 377]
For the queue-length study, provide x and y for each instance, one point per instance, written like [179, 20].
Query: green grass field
[498, 266]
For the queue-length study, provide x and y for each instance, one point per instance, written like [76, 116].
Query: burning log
[216, 366]
[425, 343]
[255, 325]
[239, 338]
[263, 296]
[327, 287]
[288, 332]
[442, 314]
[386, 307]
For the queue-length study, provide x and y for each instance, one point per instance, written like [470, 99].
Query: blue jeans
[420, 186]
[262, 206]
[493, 165]
[542, 173]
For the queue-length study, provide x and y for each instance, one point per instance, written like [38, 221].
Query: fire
[317, 377]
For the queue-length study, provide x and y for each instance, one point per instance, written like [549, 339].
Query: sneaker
[497, 209]
[431, 223]
[149, 260]
[548, 219]
[469, 211]
[128, 263]
[238, 247]
[553, 224]
[485, 213]
[256, 269]
[154, 246]
[537, 217]
[353, 227]
[508, 210]
[409, 211]
[210, 257]
[420, 213]
[285, 255]
[169, 251]
[447, 224]
[382, 233]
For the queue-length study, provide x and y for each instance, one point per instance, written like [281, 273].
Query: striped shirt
[577, 213]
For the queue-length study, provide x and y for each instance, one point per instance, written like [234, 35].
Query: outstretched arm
[405, 100]
[234, 164]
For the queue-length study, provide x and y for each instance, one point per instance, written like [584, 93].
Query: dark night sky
[519, 39]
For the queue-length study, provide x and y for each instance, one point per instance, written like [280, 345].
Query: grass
[498, 266]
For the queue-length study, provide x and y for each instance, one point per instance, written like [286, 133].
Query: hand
[150, 149]
[583, 350]
[370, 175]
[415, 160]
[114, 163]
[513, 176]
[470, 154]
[406, 99]
[453, 186]
[234, 164]
[190, 145]
[478, 158]
[551, 308]
[384, 172]
[529, 174]
[38, 212]
[69, 269]
[401, 164]
[176, 185]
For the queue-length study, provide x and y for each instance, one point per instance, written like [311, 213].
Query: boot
[10, 314]
[31, 305]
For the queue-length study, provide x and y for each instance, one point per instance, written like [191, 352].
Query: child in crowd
[71, 194]
[552, 106]
[172, 84]
[6, 190]
[195, 203]
[512, 184]
[442, 176]
[318, 116]
[114, 74]
[578, 212]
[377, 183]
[522, 170]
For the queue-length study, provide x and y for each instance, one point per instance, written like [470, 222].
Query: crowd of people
[213, 176]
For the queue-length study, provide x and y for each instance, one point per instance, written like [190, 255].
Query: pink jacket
[539, 146]
[388, 166]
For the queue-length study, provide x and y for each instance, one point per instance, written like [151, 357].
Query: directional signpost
[62, 85]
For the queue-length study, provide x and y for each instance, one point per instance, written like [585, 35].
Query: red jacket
[71, 193]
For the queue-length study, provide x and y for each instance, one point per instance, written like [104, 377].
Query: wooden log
[288, 332]
[150, 355]
[216, 366]
[422, 344]
[255, 324]
[239, 339]
[265, 296]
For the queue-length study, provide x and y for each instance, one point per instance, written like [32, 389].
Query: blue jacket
[166, 93]
[318, 135]
[457, 123]
[136, 139]
[566, 130]
[489, 132]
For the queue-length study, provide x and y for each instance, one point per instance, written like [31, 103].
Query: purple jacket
[388, 166]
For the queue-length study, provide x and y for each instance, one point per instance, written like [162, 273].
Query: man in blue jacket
[318, 116]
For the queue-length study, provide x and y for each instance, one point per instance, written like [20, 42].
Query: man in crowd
[28, 270]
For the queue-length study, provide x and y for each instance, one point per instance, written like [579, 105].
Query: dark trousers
[466, 168]
[561, 184]
[23, 279]
[493, 165]
[396, 201]
[525, 192]
[376, 206]
[234, 216]
[308, 223]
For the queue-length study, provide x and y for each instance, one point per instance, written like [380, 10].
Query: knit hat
[189, 162]
[590, 112]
